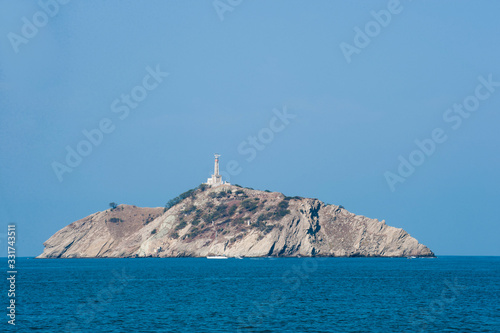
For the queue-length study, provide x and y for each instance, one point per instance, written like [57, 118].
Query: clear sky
[321, 99]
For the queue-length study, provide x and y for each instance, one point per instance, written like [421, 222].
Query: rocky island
[228, 220]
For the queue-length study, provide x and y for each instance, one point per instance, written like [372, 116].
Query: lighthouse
[216, 179]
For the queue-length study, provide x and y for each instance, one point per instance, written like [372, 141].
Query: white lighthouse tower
[216, 179]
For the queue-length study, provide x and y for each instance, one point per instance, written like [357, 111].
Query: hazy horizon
[388, 108]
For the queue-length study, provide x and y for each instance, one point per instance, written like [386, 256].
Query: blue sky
[348, 125]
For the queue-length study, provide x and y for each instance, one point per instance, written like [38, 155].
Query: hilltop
[232, 221]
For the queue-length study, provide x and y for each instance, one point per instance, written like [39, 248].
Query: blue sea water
[446, 294]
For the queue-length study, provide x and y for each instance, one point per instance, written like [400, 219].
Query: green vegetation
[188, 194]
[113, 205]
[150, 218]
[282, 210]
[232, 209]
[262, 226]
[221, 209]
[238, 221]
[275, 214]
[153, 231]
[292, 198]
[283, 204]
[172, 202]
[219, 213]
[197, 213]
[221, 194]
[182, 224]
[226, 213]
[268, 229]
[237, 238]
[264, 217]
[241, 194]
[224, 194]
[193, 232]
[189, 209]
[115, 220]
[249, 204]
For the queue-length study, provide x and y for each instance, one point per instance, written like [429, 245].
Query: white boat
[238, 257]
[216, 257]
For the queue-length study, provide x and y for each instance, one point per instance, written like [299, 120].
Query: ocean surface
[445, 294]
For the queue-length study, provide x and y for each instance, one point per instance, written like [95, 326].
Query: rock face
[231, 221]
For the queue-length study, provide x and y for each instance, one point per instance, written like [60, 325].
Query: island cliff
[231, 221]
